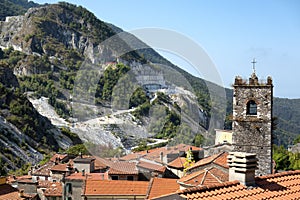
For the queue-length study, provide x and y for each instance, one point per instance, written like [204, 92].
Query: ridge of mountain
[45, 48]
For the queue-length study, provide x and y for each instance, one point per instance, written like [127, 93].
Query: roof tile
[284, 185]
[113, 187]
[161, 186]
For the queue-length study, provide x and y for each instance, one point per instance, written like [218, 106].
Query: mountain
[14, 7]
[64, 82]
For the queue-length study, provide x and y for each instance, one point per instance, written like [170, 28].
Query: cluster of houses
[238, 166]
[159, 173]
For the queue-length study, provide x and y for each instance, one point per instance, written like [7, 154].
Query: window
[130, 178]
[69, 188]
[251, 108]
[114, 177]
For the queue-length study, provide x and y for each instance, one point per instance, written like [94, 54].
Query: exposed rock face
[40, 32]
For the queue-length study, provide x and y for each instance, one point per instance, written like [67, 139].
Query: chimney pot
[242, 167]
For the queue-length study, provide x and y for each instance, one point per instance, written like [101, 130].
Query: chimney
[161, 156]
[21, 193]
[242, 167]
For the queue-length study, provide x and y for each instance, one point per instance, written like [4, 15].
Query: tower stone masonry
[252, 120]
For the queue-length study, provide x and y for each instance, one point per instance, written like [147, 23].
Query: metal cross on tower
[253, 65]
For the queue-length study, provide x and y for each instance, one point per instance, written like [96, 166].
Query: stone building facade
[252, 120]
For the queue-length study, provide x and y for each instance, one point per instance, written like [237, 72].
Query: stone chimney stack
[242, 167]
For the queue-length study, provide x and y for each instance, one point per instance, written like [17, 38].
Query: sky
[231, 32]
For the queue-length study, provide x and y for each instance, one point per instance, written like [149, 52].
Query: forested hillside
[42, 56]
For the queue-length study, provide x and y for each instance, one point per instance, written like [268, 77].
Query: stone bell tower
[252, 120]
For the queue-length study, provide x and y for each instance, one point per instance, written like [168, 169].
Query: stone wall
[253, 133]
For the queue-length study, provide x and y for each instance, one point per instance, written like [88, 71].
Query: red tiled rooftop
[154, 154]
[115, 187]
[102, 163]
[219, 159]
[60, 167]
[44, 170]
[161, 186]
[89, 176]
[58, 156]
[132, 156]
[123, 167]
[7, 192]
[177, 163]
[43, 184]
[54, 190]
[151, 166]
[207, 176]
[284, 185]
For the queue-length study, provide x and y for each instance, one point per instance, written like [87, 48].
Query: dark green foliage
[73, 136]
[138, 98]
[284, 159]
[162, 97]
[142, 110]
[110, 78]
[170, 128]
[25, 117]
[14, 7]
[287, 112]
[78, 149]
[198, 140]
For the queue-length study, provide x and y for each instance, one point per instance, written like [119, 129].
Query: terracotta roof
[60, 167]
[161, 186]
[58, 156]
[207, 176]
[177, 163]
[83, 159]
[54, 190]
[115, 187]
[154, 154]
[219, 159]
[133, 156]
[151, 166]
[44, 184]
[123, 167]
[102, 163]
[89, 176]
[285, 185]
[44, 170]
[11, 179]
[7, 192]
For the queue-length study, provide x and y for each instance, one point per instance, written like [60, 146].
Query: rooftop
[60, 168]
[177, 163]
[219, 159]
[8, 192]
[206, 176]
[285, 185]
[58, 157]
[123, 167]
[54, 190]
[44, 170]
[115, 187]
[151, 166]
[154, 154]
[89, 176]
[161, 186]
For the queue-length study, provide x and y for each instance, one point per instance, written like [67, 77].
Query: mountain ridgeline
[43, 51]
